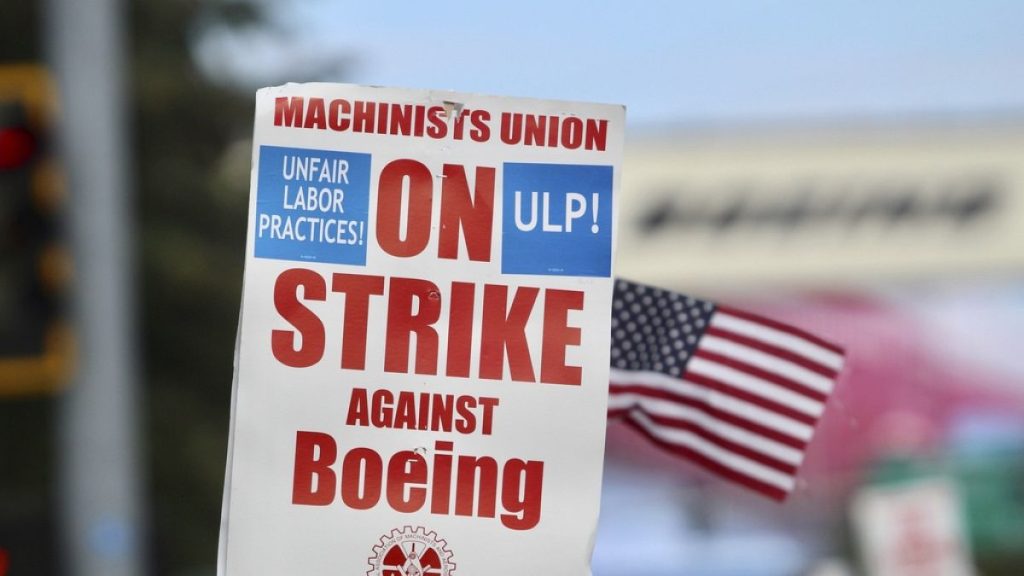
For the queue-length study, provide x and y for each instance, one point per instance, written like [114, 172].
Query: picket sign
[421, 371]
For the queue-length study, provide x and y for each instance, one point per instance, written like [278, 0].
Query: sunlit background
[855, 168]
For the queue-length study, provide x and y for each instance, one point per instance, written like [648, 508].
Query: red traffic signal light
[36, 346]
[17, 147]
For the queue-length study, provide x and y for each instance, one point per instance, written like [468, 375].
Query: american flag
[735, 393]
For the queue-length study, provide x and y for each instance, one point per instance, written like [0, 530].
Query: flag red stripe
[761, 373]
[755, 399]
[618, 412]
[722, 415]
[712, 465]
[773, 350]
[781, 327]
[725, 443]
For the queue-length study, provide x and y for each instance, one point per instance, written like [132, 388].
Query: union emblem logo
[411, 552]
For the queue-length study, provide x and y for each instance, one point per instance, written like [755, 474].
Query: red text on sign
[409, 482]
[418, 120]
[414, 307]
[407, 410]
[465, 211]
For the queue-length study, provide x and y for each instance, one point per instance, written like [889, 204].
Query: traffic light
[35, 340]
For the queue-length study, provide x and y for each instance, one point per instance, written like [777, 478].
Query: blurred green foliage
[191, 220]
[190, 201]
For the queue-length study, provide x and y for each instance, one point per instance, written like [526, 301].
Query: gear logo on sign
[411, 552]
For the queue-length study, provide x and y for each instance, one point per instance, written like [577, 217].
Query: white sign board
[422, 364]
[912, 529]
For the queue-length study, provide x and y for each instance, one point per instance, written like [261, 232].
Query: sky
[704, 62]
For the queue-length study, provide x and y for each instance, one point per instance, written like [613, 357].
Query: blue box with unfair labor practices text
[312, 205]
[557, 219]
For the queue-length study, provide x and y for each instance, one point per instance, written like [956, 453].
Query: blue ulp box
[557, 219]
